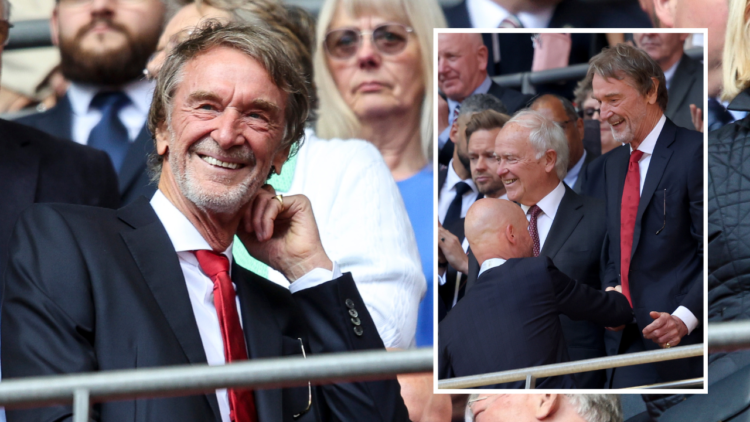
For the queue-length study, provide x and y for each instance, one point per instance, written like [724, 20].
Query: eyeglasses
[389, 39]
[588, 113]
[5, 32]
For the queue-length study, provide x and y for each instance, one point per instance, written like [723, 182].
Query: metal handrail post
[81, 405]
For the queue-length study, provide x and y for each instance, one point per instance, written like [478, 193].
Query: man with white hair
[549, 407]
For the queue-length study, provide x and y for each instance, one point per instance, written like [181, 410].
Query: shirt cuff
[315, 277]
[687, 317]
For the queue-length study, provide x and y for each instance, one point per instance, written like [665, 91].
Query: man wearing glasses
[104, 46]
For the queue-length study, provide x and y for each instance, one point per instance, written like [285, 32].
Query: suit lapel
[58, 121]
[659, 160]
[566, 219]
[680, 85]
[135, 160]
[148, 243]
[262, 336]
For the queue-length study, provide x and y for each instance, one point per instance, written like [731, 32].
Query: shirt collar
[452, 179]
[573, 172]
[670, 72]
[490, 264]
[184, 236]
[483, 88]
[648, 144]
[550, 202]
[488, 14]
[140, 94]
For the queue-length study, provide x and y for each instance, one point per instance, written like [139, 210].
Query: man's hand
[666, 330]
[617, 288]
[697, 115]
[451, 248]
[283, 235]
[443, 111]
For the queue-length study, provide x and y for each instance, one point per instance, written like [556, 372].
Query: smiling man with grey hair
[549, 407]
[569, 228]
[154, 281]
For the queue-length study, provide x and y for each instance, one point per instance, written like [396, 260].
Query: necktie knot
[635, 156]
[212, 263]
[462, 188]
[109, 100]
[534, 211]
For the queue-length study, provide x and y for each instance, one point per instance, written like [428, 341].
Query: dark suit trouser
[635, 375]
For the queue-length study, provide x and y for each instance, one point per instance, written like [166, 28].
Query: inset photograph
[570, 211]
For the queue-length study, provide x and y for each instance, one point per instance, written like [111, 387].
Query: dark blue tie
[454, 210]
[718, 116]
[110, 135]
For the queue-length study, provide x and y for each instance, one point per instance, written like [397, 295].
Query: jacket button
[355, 321]
[349, 303]
[358, 331]
[353, 313]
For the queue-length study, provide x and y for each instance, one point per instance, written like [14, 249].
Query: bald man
[510, 318]
[462, 72]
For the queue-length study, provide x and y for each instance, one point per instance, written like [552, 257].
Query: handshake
[666, 330]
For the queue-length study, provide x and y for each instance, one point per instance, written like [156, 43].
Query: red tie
[631, 194]
[216, 266]
[534, 212]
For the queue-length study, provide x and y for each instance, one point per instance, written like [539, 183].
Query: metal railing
[83, 389]
[532, 374]
[526, 80]
[728, 336]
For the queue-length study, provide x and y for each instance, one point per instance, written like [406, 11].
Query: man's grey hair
[590, 407]
[6, 10]
[481, 102]
[597, 407]
[545, 135]
[260, 43]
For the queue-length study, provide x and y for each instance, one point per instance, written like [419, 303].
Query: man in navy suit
[510, 318]
[104, 47]
[654, 198]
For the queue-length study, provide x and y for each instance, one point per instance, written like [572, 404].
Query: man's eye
[207, 107]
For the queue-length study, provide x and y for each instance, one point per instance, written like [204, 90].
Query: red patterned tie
[216, 266]
[534, 212]
[631, 195]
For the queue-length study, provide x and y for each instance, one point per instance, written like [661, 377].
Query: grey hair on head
[545, 135]
[597, 407]
[481, 102]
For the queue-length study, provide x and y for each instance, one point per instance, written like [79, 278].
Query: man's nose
[228, 131]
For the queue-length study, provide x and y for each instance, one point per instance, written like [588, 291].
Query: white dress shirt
[647, 146]
[186, 239]
[132, 115]
[549, 205]
[572, 176]
[448, 192]
[669, 73]
[490, 264]
[444, 136]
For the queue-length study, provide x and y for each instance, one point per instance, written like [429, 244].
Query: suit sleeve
[329, 310]
[47, 315]
[579, 301]
[693, 301]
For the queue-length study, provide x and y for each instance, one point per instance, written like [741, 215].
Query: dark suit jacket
[575, 243]
[666, 269]
[35, 167]
[447, 291]
[579, 182]
[685, 88]
[510, 320]
[131, 309]
[133, 177]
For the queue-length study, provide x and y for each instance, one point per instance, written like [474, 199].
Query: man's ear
[280, 158]
[510, 235]
[664, 10]
[54, 26]
[653, 94]
[454, 130]
[482, 56]
[550, 159]
[545, 405]
[162, 138]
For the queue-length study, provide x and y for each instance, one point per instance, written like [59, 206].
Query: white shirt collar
[488, 14]
[452, 179]
[483, 88]
[140, 94]
[550, 202]
[184, 236]
[648, 144]
[490, 264]
[669, 73]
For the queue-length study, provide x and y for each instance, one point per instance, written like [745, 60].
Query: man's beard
[227, 203]
[114, 67]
